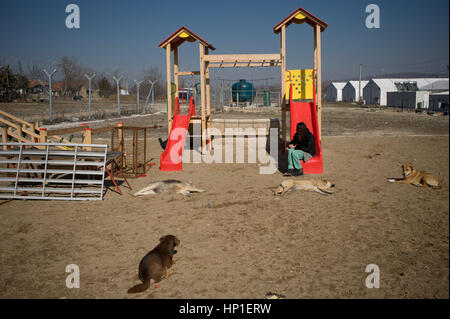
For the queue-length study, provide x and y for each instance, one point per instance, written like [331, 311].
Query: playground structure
[305, 101]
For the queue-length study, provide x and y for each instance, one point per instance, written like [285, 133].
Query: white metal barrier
[77, 173]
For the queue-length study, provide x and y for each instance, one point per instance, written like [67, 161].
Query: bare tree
[35, 72]
[72, 74]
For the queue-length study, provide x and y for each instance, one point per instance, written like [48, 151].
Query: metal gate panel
[44, 171]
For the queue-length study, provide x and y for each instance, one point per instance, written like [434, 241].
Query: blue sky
[124, 35]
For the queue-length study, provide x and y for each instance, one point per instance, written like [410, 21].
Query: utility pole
[359, 90]
[50, 92]
[118, 92]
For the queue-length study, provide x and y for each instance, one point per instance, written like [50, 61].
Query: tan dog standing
[317, 185]
[155, 265]
[417, 178]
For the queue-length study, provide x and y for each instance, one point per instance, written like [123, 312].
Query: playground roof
[299, 16]
[181, 35]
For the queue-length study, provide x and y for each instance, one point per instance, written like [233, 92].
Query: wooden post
[169, 87]
[35, 129]
[208, 100]
[19, 130]
[203, 93]
[120, 136]
[42, 136]
[283, 83]
[4, 137]
[318, 66]
[175, 69]
[121, 143]
[88, 138]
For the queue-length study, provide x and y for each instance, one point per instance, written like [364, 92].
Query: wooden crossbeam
[231, 58]
[244, 64]
[185, 73]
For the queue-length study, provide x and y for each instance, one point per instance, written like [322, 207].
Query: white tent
[350, 92]
[375, 92]
[334, 92]
[436, 86]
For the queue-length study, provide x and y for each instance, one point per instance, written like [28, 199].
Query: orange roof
[57, 86]
[33, 83]
[181, 35]
[299, 16]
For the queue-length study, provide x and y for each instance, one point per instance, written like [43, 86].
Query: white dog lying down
[167, 187]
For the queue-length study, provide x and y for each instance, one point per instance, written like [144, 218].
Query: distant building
[334, 92]
[350, 92]
[36, 86]
[409, 99]
[437, 87]
[439, 101]
[375, 92]
[40, 87]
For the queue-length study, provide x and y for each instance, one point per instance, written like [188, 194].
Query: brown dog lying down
[317, 185]
[417, 178]
[156, 263]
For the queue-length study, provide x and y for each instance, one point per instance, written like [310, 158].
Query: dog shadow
[109, 186]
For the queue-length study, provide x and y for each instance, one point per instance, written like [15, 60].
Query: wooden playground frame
[208, 61]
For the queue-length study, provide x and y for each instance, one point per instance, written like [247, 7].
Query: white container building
[334, 92]
[350, 92]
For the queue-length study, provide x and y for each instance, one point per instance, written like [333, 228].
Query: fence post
[90, 94]
[50, 92]
[118, 93]
[137, 101]
[152, 93]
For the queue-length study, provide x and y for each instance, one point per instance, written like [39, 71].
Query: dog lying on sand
[417, 178]
[318, 185]
[155, 265]
[167, 187]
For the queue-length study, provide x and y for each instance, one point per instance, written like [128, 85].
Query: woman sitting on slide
[302, 147]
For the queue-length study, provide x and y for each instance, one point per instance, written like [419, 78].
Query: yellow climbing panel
[302, 84]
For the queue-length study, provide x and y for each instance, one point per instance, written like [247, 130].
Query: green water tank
[267, 100]
[244, 90]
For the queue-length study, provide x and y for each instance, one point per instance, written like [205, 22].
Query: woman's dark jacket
[307, 145]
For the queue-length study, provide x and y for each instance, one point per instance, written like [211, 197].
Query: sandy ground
[240, 241]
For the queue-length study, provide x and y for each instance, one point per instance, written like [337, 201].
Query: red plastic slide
[171, 157]
[306, 112]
